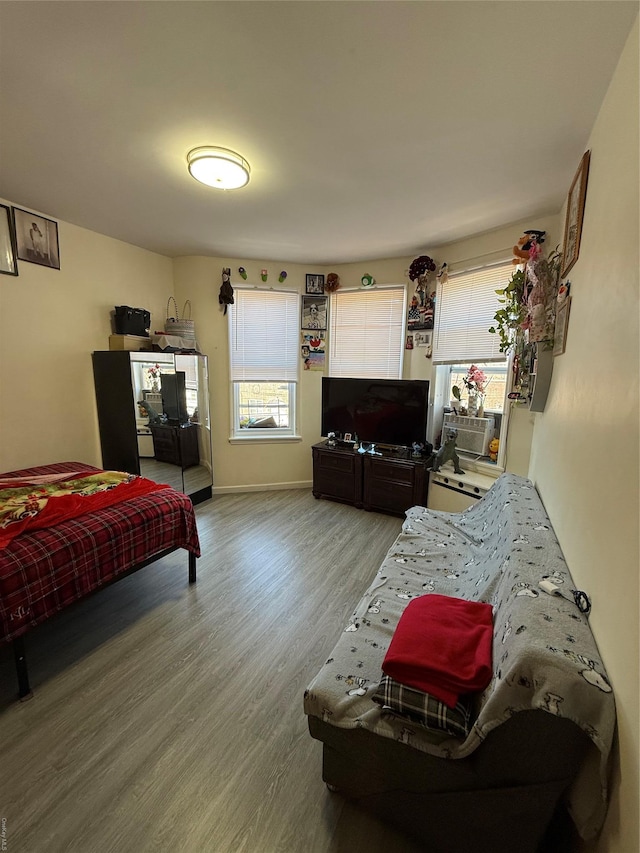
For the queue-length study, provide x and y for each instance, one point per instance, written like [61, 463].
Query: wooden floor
[169, 717]
[190, 480]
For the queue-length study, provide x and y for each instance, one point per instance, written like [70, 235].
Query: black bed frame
[19, 653]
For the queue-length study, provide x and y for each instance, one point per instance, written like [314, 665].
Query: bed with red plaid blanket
[44, 570]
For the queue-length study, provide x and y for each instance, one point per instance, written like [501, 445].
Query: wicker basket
[181, 328]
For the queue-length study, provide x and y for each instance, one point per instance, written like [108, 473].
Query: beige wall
[268, 463]
[585, 447]
[240, 467]
[52, 320]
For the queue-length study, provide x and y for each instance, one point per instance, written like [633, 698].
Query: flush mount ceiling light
[218, 167]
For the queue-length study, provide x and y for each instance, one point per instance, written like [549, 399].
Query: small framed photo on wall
[315, 283]
[314, 312]
[8, 262]
[36, 239]
[562, 324]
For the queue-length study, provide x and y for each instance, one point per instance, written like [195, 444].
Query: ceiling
[373, 129]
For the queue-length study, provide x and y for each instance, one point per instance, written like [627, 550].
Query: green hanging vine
[512, 315]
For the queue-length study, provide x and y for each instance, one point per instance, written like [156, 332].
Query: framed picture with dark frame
[8, 261]
[36, 239]
[562, 323]
[575, 214]
[314, 312]
[315, 283]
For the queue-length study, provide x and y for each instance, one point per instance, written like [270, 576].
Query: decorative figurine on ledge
[331, 439]
[448, 453]
[148, 411]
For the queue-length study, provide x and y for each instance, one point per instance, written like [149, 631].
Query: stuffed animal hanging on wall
[226, 291]
[332, 283]
[528, 246]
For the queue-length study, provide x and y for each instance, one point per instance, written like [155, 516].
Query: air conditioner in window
[474, 434]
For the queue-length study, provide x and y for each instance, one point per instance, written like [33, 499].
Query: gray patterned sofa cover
[539, 745]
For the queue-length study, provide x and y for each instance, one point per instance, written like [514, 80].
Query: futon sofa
[537, 740]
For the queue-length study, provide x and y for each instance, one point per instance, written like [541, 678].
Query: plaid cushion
[423, 708]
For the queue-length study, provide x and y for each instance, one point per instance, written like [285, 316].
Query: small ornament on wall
[264, 275]
[242, 273]
[367, 280]
[225, 297]
[333, 282]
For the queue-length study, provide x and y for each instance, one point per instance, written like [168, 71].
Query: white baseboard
[261, 487]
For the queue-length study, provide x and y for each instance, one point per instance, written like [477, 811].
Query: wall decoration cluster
[313, 322]
[26, 236]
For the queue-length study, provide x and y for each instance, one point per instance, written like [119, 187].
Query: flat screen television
[382, 411]
[174, 397]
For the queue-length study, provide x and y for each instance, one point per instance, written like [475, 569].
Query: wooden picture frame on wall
[8, 261]
[575, 214]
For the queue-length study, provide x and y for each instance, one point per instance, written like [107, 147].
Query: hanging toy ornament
[443, 274]
[226, 291]
[333, 282]
[243, 273]
[282, 276]
[264, 275]
[368, 280]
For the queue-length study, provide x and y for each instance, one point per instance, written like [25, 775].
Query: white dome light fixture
[218, 167]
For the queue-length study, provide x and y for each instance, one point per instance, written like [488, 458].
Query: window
[264, 343]
[366, 332]
[495, 386]
[465, 309]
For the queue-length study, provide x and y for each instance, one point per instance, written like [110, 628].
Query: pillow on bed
[423, 708]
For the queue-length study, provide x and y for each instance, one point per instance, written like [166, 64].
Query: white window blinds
[264, 336]
[367, 329]
[465, 308]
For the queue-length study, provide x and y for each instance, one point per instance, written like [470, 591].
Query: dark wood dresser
[391, 482]
[176, 444]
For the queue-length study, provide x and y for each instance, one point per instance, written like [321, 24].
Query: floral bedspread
[45, 500]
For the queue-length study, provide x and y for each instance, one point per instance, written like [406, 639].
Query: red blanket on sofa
[442, 646]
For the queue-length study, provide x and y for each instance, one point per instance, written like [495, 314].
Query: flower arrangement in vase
[476, 384]
[154, 376]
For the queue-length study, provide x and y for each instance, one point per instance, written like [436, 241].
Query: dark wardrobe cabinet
[154, 418]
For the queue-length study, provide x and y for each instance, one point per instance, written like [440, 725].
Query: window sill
[479, 466]
[258, 436]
